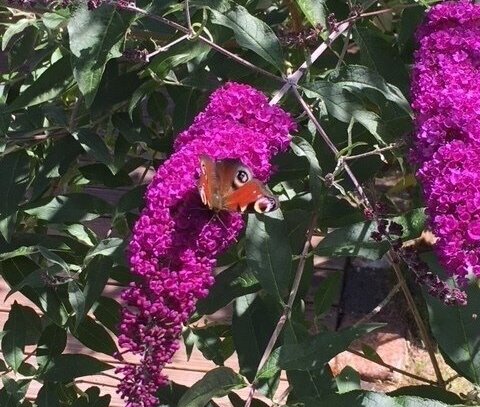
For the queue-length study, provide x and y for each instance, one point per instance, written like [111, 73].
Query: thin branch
[344, 49]
[369, 153]
[418, 319]
[393, 368]
[288, 308]
[166, 47]
[187, 15]
[179, 27]
[292, 80]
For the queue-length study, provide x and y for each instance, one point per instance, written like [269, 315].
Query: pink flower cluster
[446, 99]
[175, 240]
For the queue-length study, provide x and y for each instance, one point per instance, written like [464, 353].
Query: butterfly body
[229, 185]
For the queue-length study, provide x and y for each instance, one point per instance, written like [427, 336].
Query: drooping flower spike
[174, 245]
[446, 100]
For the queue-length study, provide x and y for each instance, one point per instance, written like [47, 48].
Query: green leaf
[344, 106]
[92, 398]
[112, 248]
[302, 148]
[216, 383]
[94, 145]
[60, 156]
[52, 343]
[462, 343]
[327, 292]
[315, 10]
[48, 396]
[51, 83]
[107, 311]
[169, 395]
[251, 33]
[96, 273]
[77, 301]
[208, 340]
[358, 77]
[268, 252]
[377, 53]
[55, 19]
[234, 282]
[348, 380]
[371, 399]
[253, 322]
[15, 29]
[428, 392]
[66, 367]
[96, 36]
[14, 173]
[74, 208]
[94, 336]
[355, 240]
[16, 389]
[319, 349]
[21, 328]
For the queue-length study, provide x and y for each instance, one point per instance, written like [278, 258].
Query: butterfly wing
[207, 183]
[252, 195]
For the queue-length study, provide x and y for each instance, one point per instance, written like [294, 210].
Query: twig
[166, 47]
[179, 27]
[393, 368]
[292, 80]
[189, 20]
[288, 308]
[379, 307]
[344, 49]
[283, 396]
[418, 320]
[369, 153]
[74, 115]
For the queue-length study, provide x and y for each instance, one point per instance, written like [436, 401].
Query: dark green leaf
[14, 173]
[254, 320]
[107, 311]
[112, 248]
[92, 398]
[346, 107]
[302, 148]
[51, 83]
[355, 240]
[94, 145]
[348, 380]
[268, 252]
[358, 77]
[64, 368]
[76, 297]
[370, 399]
[52, 343]
[21, 328]
[15, 29]
[231, 283]
[133, 199]
[237, 401]
[251, 33]
[318, 350]
[327, 292]
[96, 273]
[48, 396]
[428, 392]
[171, 394]
[462, 343]
[216, 383]
[377, 53]
[96, 36]
[75, 207]
[315, 10]
[94, 336]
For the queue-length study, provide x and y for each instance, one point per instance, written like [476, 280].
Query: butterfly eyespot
[265, 204]
[242, 177]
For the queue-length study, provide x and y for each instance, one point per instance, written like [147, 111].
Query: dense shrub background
[92, 95]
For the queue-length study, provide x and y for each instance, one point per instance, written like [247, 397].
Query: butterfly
[229, 185]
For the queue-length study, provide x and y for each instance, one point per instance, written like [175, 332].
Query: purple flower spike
[446, 100]
[176, 240]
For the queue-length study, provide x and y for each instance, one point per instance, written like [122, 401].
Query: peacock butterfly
[229, 185]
